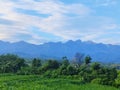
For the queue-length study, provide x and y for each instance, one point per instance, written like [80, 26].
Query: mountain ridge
[98, 51]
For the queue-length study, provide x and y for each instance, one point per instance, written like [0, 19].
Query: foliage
[51, 65]
[36, 63]
[89, 72]
[35, 82]
[10, 63]
[88, 59]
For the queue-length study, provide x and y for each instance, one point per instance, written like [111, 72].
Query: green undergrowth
[34, 82]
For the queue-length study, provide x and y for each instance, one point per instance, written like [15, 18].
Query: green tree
[65, 61]
[88, 60]
[63, 68]
[11, 63]
[95, 66]
[50, 65]
[36, 63]
[71, 70]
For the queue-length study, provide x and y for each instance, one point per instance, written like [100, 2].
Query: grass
[31, 82]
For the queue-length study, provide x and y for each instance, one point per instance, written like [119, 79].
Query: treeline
[81, 67]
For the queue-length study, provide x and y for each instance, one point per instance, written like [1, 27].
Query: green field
[31, 82]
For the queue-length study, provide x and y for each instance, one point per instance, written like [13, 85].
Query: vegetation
[35, 82]
[71, 75]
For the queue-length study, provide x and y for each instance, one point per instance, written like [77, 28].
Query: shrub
[96, 81]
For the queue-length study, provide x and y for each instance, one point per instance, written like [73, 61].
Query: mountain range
[98, 51]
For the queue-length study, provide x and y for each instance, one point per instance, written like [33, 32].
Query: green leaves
[10, 63]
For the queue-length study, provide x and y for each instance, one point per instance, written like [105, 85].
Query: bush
[51, 74]
[117, 80]
[24, 71]
[48, 74]
[96, 81]
[87, 77]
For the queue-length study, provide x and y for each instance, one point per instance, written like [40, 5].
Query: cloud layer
[39, 21]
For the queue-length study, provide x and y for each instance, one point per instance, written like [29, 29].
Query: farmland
[36, 82]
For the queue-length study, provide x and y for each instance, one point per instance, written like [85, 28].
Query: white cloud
[106, 2]
[66, 21]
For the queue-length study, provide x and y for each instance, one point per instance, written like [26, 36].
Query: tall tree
[50, 65]
[96, 66]
[36, 63]
[11, 63]
[88, 60]
[65, 61]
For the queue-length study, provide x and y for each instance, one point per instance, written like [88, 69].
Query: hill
[98, 51]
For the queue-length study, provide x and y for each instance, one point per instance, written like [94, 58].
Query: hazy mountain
[98, 51]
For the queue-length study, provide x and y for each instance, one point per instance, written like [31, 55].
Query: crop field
[34, 82]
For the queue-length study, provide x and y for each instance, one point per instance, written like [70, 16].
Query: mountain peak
[98, 51]
[21, 42]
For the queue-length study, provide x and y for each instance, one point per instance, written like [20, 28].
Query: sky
[40, 21]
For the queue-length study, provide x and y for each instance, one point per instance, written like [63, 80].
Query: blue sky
[40, 21]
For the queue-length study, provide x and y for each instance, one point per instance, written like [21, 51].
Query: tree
[65, 61]
[95, 66]
[63, 68]
[88, 60]
[51, 65]
[36, 63]
[18, 64]
[71, 70]
[11, 63]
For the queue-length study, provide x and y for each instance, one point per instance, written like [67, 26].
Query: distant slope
[98, 51]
